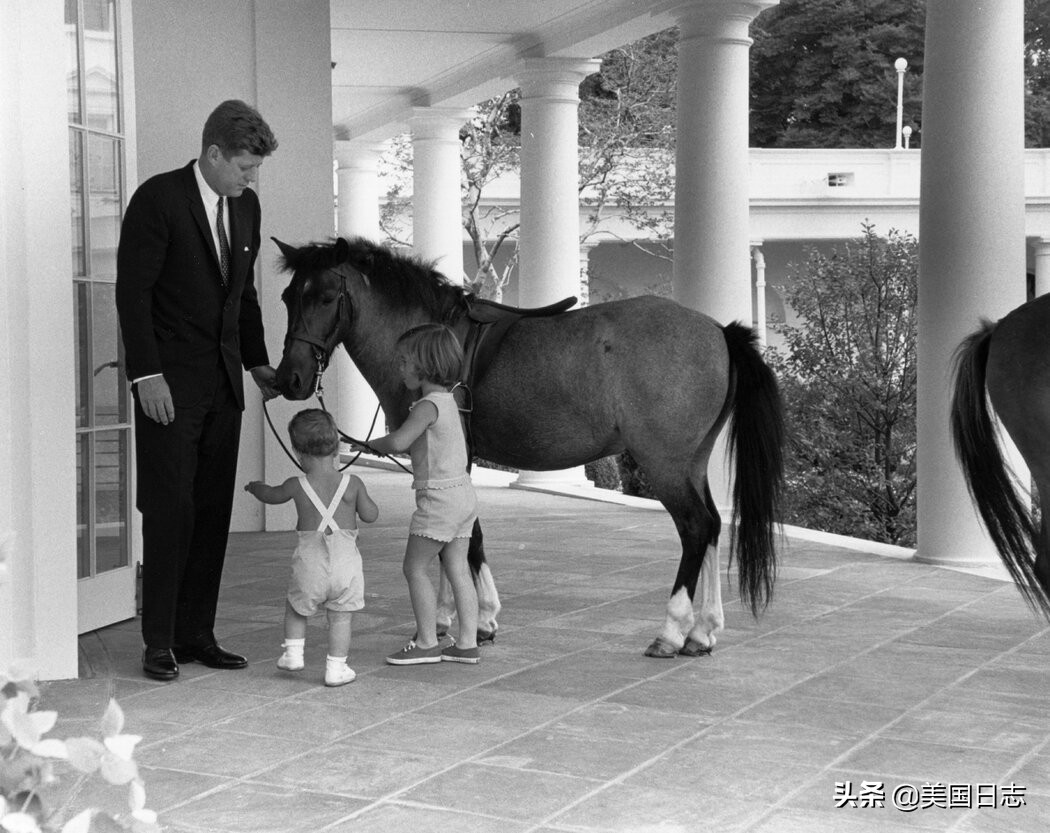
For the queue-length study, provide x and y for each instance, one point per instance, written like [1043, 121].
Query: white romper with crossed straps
[326, 565]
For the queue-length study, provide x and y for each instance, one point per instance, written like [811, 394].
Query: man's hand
[155, 399]
[266, 378]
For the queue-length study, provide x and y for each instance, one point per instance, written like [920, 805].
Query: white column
[437, 206]
[549, 265]
[712, 268]
[712, 272]
[38, 466]
[1042, 266]
[972, 252]
[550, 200]
[357, 215]
[760, 291]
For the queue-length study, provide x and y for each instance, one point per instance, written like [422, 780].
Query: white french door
[97, 145]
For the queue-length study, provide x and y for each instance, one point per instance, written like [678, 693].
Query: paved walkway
[865, 669]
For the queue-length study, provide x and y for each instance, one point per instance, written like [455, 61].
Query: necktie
[224, 246]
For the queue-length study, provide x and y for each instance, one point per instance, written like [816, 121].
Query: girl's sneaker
[412, 654]
[453, 653]
[339, 675]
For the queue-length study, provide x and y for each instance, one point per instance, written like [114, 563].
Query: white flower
[19, 823]
[27, 727]
[80, 823]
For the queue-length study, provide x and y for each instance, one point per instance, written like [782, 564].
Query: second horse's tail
[756, 436]
[1006, 515]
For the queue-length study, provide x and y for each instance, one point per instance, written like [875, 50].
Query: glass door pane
[110, 390]
[105, 203]
[83, 507]
[82, 361]
[111, 498]
[72, 63]
[100, 65]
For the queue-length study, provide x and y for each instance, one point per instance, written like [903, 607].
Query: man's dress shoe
[213, 655]
[159, 663]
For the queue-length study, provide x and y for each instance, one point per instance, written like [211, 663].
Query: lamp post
[907, 136]
[901, 66]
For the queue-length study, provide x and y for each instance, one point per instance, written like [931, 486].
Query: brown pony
[645, 374]
[1010, 360]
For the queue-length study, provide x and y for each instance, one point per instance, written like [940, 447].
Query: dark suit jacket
[176, 317]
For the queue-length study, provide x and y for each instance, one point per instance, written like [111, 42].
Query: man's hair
[436, 352]
[237, 127]
[313, 433]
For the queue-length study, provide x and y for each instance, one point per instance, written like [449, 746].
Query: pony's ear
[286, 250]
[342, 250]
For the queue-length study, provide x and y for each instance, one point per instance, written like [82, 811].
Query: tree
[822, 72]
[627, 142]
[491, 148]
[849, 378]
[1037, 73]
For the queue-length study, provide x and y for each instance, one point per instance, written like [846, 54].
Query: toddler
[326, 564]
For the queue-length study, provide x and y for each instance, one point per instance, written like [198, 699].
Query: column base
[957, 563]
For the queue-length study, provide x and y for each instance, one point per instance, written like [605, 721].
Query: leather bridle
[322, 347]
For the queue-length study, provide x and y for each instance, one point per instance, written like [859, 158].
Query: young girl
[446, 506]
[326, 565]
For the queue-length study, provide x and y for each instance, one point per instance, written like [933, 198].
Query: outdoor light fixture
[901, 65]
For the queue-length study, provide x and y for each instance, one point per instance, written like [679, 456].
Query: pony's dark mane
[404, 280]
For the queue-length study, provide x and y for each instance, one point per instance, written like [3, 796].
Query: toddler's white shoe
[336, 675]
[290, 662]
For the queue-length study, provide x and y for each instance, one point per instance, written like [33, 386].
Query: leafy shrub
[30, 764]
[848, 375]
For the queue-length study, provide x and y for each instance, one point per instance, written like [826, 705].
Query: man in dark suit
[190, 319]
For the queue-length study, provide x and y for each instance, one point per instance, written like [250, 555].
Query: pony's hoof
[661, 649]
[692, 648]
[486, 637]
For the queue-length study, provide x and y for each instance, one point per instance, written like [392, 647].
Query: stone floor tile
[217, 752]
[261, 808]
[886, 758]
[405, 818]
[621, 808]
[513, 794]
[356, 770]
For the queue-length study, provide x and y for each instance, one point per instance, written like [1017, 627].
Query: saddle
[487, 324]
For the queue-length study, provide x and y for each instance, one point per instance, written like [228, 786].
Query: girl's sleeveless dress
[446, 505]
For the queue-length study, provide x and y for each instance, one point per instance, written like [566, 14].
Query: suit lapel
[200, 217]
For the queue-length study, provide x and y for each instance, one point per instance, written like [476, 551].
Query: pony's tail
[1006, 516]
[756, 436]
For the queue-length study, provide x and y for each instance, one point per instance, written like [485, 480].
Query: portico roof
[390, 57]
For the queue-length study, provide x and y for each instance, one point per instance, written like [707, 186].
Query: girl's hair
[436, 352]
[313, 433]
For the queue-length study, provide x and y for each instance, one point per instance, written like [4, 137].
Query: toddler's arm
[272, 494]
[365, 507]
